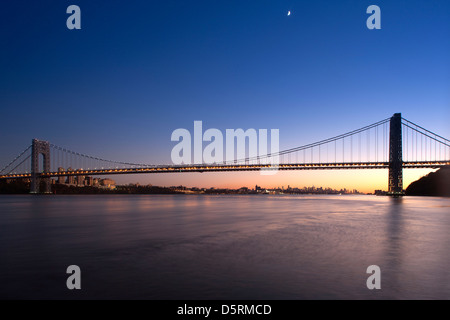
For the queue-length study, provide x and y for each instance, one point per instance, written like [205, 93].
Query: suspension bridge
[393, 143]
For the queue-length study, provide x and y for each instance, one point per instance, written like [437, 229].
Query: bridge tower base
[395, 157]
[39, 147]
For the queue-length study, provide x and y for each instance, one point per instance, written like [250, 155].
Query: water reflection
[393, 248]
[225, 247]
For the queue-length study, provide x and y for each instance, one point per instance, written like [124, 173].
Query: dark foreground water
[224, 247]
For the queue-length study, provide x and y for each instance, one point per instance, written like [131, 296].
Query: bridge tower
[395, 156]
[37, 148]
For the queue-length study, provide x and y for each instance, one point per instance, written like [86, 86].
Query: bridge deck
[234, 167]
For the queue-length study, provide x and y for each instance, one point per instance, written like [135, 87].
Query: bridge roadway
[231, 167]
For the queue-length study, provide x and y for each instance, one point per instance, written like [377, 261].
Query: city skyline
[118, 87]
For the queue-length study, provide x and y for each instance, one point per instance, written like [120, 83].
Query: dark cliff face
[434, 184]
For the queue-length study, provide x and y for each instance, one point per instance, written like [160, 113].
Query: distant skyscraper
[70, 179]
[61, 179]
[80, 180]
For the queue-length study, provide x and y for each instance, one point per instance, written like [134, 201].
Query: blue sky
[137, 70]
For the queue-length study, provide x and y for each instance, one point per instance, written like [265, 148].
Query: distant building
[243, 190]
[70, 179]
[380, 192]
[61, 179]
[108, 183]
[80, 180]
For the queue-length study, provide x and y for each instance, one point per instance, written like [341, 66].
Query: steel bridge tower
[395, 156]
[37, 148]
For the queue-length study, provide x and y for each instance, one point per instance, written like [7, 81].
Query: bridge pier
[37, 148]
[395, 157]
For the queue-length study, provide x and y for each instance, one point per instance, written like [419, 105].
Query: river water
[224, 247]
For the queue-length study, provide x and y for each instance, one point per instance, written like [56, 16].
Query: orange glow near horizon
[362, 180]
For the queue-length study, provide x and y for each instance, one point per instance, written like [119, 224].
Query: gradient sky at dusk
[137, 70]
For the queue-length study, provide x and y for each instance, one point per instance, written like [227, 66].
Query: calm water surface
[224, 247]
